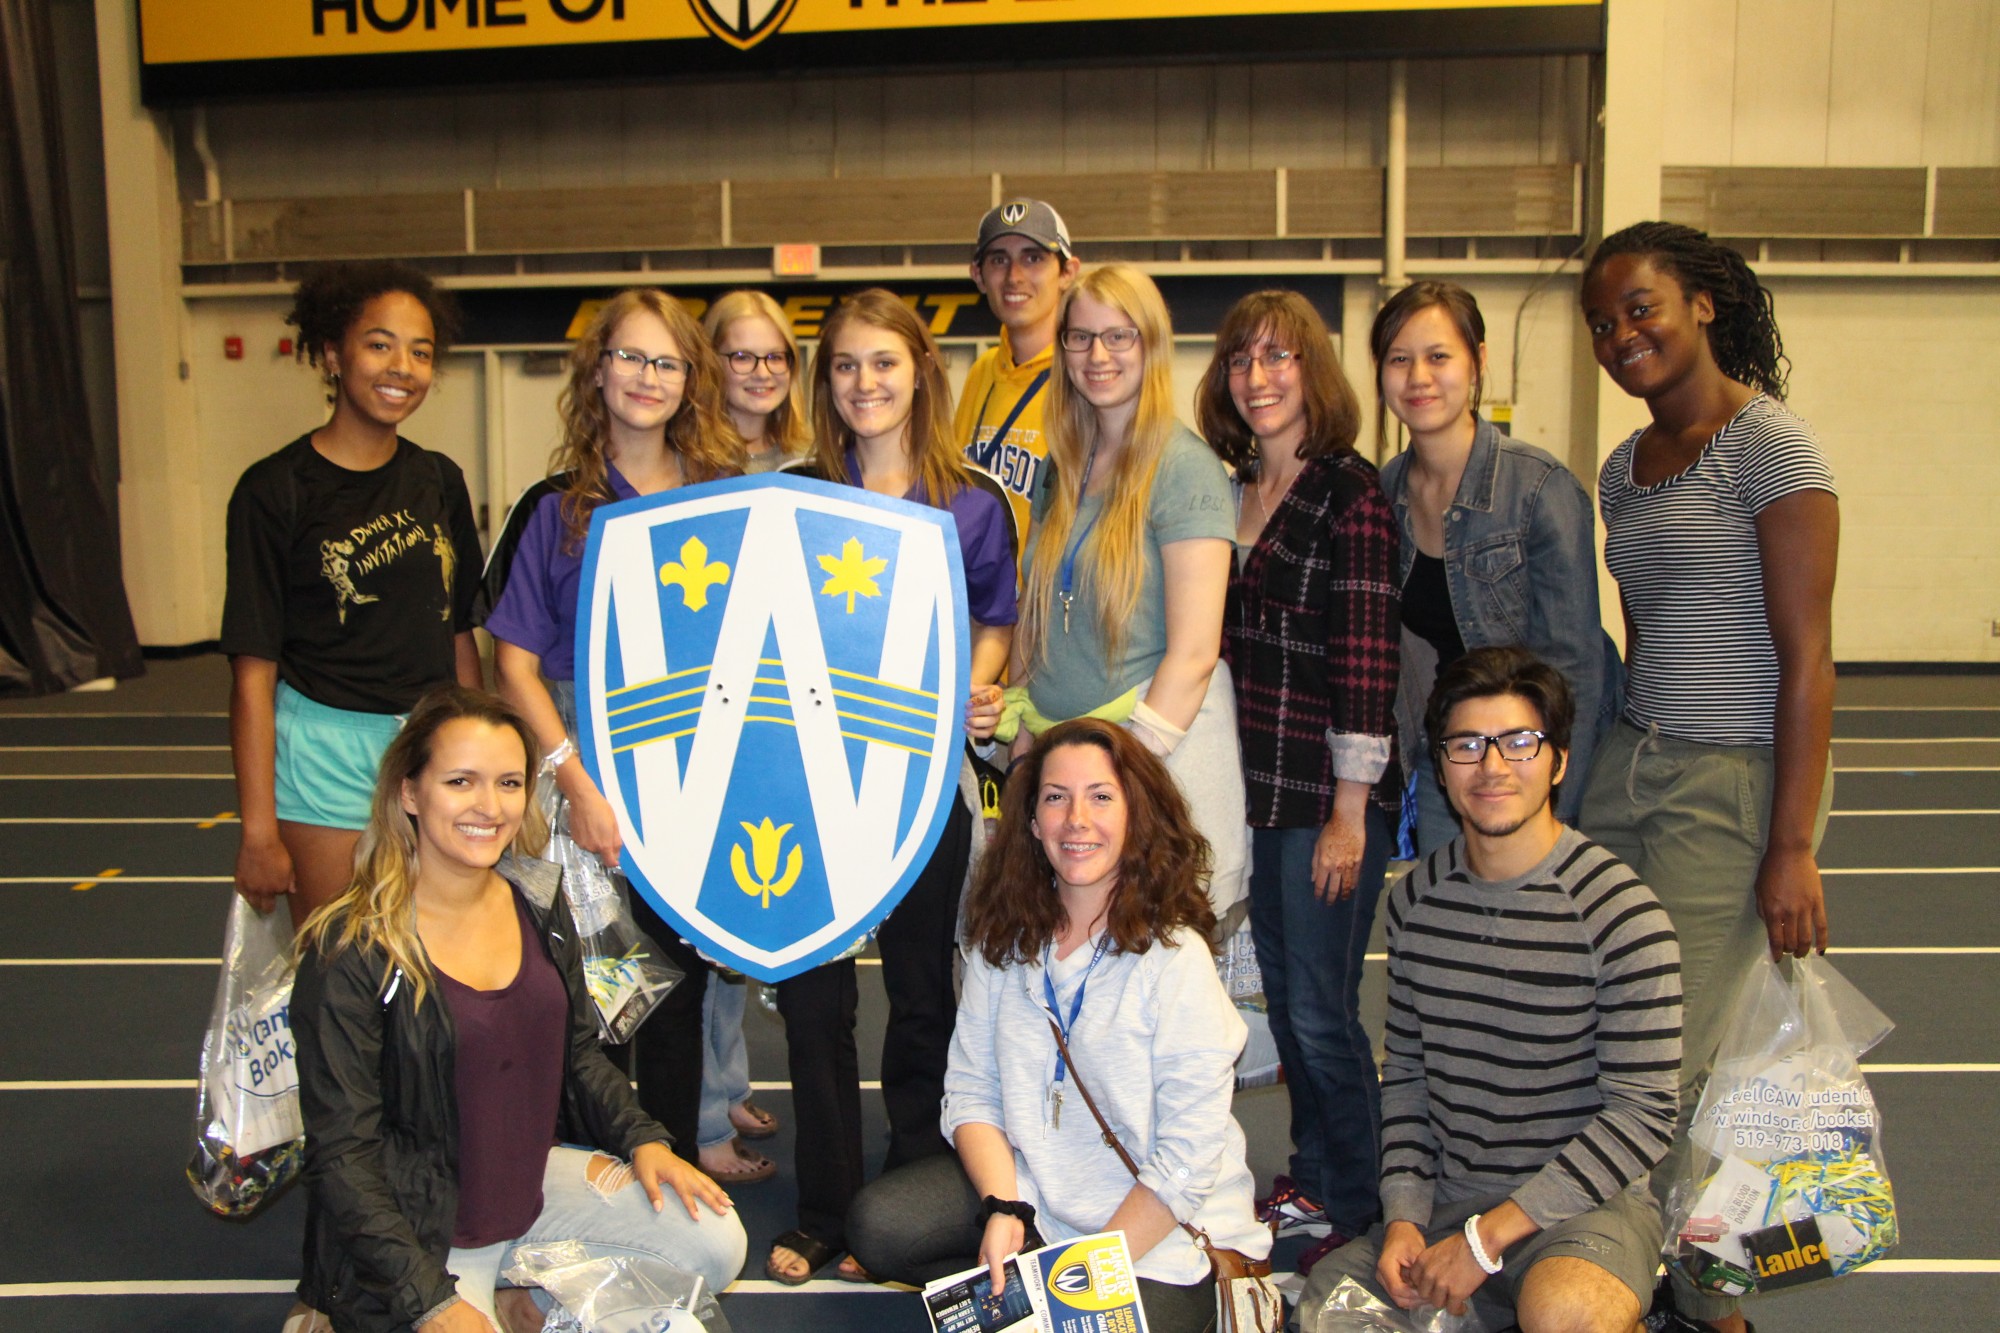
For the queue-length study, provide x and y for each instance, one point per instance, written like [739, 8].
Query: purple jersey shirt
[538, 610]
[985, 543]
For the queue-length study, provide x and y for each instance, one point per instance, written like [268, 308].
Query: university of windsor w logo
[771, 684]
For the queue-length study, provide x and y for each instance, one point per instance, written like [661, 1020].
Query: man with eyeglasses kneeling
[1533, 1041]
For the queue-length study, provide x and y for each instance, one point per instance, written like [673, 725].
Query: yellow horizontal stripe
[884, 703]
[847, 735]
[655, 721]
[765, 699]
[885, 684]
[892, 726]
[652, 703]
[647, 684]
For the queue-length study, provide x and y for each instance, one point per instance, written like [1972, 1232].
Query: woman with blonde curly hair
[448, 1048]
[1128, 562]
[642, 413]
[1090, 912]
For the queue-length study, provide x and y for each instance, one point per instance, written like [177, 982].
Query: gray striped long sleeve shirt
[1534, 1035]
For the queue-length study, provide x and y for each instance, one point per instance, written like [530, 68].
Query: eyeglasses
[746, 363]
[1114, 340]
[627, 364]
[1516, 747]
[1273, 359]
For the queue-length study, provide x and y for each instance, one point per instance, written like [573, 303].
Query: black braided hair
[1744, 336]
[330, 298]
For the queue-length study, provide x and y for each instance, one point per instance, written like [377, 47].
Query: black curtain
[63, 615]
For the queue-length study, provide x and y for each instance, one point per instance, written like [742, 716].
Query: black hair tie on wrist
[1020, 1210]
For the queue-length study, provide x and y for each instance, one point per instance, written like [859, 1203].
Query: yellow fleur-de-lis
[765, 843]
[694, 574]
[853, 573]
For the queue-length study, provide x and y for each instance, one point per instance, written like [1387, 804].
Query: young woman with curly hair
[1128, 562]
[448, 1050]
[1310, 634]
[352, 556]
[1722, 528]
[641, 413]
[1090, 908]
[882, 422]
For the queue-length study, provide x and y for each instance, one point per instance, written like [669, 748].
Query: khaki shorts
[1622, 1238]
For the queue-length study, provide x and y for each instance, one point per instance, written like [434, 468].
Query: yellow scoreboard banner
[303, 43]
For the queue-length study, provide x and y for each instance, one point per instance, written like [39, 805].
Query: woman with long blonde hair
[1128, 562]
[882, 422]
[446, 1041]
[763, 390]
[642, 413]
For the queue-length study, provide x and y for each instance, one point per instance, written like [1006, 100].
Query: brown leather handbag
[1245, 1299]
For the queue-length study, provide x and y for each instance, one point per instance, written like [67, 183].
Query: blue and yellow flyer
[1085, 1285]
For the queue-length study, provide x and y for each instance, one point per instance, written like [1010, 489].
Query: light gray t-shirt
[1190, 499]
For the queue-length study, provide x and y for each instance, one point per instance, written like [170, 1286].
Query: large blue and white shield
[771, 678]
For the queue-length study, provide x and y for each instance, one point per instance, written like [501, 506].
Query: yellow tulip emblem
[765, 843]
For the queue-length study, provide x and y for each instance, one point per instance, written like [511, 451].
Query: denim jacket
[1520, 557]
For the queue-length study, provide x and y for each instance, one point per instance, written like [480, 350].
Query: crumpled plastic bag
[614, 1293]
[1352, 1308]
[622, 969]
[1786, 1183]
[249, 1138]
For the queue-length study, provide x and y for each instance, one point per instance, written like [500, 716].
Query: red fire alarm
[233, 348]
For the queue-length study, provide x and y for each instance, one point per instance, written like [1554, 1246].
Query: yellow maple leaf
[853, 573]
[694, 574]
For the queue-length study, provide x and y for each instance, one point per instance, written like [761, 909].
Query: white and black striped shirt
[1534, 1035]
[1686, 559]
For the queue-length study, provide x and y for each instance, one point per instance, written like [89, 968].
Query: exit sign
[794, 261]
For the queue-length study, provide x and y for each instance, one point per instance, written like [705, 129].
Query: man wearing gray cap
[1023, 264]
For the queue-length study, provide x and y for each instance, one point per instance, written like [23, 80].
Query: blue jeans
[1437, 822]
[1310, 953]
[725, 1063]
[622, 1223]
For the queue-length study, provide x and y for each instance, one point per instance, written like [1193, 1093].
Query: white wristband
[559, 756]
[1479, 1255]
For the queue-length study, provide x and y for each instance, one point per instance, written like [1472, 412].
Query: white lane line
[744, 1286]
[1914, 812]
[1910, 870]
[1915, 948]
[114, 749]
[1988, 1068]
[152, 777]
[206, 1287]
[1837, 740]
[149, 819]
[110, 962]
[96, 1084]
[1916, 768]
[101, 878]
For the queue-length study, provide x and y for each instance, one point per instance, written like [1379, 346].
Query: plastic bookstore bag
[1352, 1308]
[621, 967]
[614, 1293]
[1786, 1183]
[248, 1138]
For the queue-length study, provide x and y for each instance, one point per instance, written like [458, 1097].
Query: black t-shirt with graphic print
[354, 583]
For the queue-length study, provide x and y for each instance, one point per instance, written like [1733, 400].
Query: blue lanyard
[1069, 556]
[999, 437]
[1075, 1005]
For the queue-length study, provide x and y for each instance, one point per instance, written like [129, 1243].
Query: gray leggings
[920, 1222]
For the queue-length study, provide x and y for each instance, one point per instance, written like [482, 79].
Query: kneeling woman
[447, 1049]
[1090, 910]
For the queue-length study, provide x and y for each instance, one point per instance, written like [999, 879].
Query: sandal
[850, 1270]
[751, 1121]
[816, 1256]
[745, 1167]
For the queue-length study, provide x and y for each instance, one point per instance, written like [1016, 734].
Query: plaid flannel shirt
[1312, 633]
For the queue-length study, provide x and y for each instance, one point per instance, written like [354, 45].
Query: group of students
[1216, 663]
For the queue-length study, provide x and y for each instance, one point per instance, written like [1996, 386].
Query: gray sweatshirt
[1534, 1035]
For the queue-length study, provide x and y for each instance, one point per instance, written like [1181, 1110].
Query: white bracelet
[1479, 1255]
[559, 756]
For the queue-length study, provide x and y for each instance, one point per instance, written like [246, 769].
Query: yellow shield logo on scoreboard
[743, 23]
